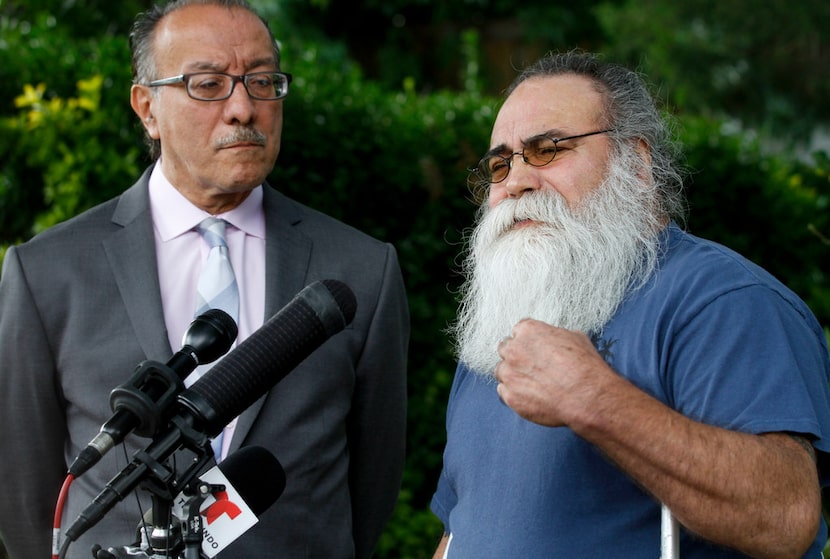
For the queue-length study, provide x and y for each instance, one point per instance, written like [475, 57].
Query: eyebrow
[215, 67]
[503, 148]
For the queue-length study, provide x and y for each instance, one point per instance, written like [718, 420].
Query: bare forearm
[759, 494]
[442, 547]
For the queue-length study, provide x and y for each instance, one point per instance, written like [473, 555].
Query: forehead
[567, 104]
[211, 35]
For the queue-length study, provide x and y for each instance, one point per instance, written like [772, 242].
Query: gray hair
[630, 111]
[142, 37]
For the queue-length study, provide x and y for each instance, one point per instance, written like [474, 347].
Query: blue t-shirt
[711, 335]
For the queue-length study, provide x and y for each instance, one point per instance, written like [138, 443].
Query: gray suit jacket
[80, 307]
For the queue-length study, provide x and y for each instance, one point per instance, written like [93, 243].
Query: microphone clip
[165, 535]
[157, 477]
[193, 525]
[133, 396]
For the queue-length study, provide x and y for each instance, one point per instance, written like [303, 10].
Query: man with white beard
[609, 362]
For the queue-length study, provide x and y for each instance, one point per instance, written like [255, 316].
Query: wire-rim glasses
[218, 86]
[538, 151]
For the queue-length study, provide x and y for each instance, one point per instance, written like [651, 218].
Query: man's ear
[644, 151]
[141, 100]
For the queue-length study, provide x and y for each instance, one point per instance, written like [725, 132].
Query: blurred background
[393, 100]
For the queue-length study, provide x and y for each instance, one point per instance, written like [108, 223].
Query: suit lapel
[287, 257]
[287, 251]
[131, 255]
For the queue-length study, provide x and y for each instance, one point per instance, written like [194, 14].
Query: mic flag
[253, 479]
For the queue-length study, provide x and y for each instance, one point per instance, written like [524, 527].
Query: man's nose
[240, 106]
[523, 177]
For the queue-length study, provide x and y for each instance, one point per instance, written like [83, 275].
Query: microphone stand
[164, 539]
[192, 527]
[168, 537]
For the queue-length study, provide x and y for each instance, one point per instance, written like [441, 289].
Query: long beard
[570, 268]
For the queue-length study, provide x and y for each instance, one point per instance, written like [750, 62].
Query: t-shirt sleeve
[751, 360]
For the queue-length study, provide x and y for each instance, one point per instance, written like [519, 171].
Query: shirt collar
[173, 214]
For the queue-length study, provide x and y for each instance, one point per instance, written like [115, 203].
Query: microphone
[319, 311]
[253, 479]
[316, 313]
[256, 475]
[141, 403]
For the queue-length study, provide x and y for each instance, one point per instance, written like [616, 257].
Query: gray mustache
[243, 135]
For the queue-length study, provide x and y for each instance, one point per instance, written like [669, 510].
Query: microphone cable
[60, 552]
[56, 525]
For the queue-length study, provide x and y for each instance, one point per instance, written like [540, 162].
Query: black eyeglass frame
[483, 171]
[185, 79]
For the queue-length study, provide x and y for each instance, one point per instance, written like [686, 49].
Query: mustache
[544, 207]
[242, 135]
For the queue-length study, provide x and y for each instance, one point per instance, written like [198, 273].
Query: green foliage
[67, 135]
[81, 18]
[762, 62]
[771, 208]
[422, 39]
[64, 139]
[35, 48]
[412, 533]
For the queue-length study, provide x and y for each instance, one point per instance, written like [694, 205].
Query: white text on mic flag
[225, 515]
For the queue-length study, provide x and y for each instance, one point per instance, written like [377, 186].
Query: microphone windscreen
[316, 313]
[257, 476]
[211, 335]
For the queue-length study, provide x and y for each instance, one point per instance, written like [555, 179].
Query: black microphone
[316, 313]
[143, 402]
[256, 476]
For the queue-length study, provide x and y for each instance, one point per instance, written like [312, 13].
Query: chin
[245, 177]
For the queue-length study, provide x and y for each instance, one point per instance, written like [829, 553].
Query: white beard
[572, 268]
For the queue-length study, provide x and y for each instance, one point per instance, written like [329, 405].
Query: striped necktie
[217, 287]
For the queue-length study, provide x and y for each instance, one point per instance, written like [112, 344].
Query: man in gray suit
[85, 302]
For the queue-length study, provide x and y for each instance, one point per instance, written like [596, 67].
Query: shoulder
[287, 214]
[701, 288]
[90, 226]
[703, 283]
[73, 237]
[682, 249]
[711, 270]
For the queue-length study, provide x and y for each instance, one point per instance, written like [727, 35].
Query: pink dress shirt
[181, 253]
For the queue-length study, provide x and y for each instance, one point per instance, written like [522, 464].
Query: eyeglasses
[537, 151]
[217, 86]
